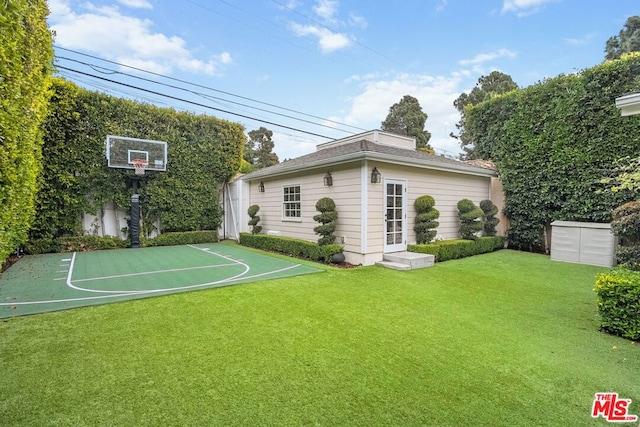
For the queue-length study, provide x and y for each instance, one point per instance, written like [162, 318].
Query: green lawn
[503, 339]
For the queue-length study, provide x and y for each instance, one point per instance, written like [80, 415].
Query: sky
[316, 70]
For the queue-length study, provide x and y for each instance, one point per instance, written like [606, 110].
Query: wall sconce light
[375, 176]
[328, 180]
[261, 187]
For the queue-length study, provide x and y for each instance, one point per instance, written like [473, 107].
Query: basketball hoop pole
[135, 215]
[135, 221]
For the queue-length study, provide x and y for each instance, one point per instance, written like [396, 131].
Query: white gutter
[380, 157]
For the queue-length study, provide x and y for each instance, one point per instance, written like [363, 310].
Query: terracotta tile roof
[364, 149]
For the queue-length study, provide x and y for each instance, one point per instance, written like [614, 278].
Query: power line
[210, 97]
[212, 89]
[192, 102]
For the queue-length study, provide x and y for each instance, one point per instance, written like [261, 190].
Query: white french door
[395, 216]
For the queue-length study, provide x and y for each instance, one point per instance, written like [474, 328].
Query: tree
[487, 86]
[327, 219]
[259, 147]
[489, 220]
[255, 219]
[426, 216]
[469, 215]
[407, 118]
[628, 40]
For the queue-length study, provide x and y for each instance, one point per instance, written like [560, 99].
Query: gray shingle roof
[364, 149]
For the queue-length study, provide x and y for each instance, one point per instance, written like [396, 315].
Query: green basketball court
[41, 283]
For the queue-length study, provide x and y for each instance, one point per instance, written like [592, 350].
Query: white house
[374, 179]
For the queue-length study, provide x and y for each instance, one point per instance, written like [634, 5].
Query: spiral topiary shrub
[255, 219]
[489, 221]
[327, 219]
[469, 215]
[426, 215]
[625, 223]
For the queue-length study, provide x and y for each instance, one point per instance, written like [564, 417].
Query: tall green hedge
[25, 67]
[203, 152]
[553, 142]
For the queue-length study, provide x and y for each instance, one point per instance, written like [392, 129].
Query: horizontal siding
[446, 188]
[345, 192]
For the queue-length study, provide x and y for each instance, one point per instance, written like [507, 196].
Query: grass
[506, 338]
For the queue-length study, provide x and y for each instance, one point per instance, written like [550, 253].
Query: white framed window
[291, 208]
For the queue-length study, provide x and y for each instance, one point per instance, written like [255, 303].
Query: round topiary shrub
[255, 219]
[327, 219]
[469, 215]
[426, 215]
[489, 221]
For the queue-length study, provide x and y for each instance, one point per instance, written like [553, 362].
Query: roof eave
[371, 155]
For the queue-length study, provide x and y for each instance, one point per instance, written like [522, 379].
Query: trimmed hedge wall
[453, 249]
[26, 52]
[553, 142]
[204, 152]
[289, 246]
[97, 243]
[618, 296]
[182, 238]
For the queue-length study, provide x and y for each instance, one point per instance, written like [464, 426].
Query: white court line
[218, 282]
[119, 292]
[91, 279]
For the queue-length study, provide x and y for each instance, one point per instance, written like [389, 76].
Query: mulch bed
[9, 262]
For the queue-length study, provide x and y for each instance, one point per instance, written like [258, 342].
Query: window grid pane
[291, 205]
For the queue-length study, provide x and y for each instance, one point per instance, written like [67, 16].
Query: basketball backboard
[122, 151]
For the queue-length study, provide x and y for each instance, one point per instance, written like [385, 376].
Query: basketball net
[139, 165]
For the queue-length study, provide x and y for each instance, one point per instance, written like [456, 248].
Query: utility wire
[192, 102]
[213, 89]
[210, 97]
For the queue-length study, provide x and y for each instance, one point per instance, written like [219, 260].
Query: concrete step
[411, 259]
[394, 265]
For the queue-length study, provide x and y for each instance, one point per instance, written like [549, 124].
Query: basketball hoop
[139, 165]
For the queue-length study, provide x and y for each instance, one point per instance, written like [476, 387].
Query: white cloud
[290, 146]
[581, 40]
[357, 21]
[290, 5]
[435, 94]
[524, 7]
[486, 57]
[126, 39]
[326, 9]
[137, 4]
[328, 40]
[442, 6]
